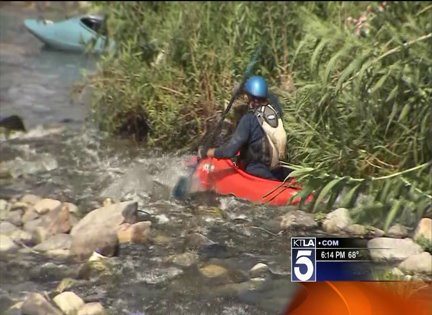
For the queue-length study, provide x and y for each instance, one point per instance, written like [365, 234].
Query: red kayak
[225, 178]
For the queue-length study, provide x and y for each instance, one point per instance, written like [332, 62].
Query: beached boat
[73, 34]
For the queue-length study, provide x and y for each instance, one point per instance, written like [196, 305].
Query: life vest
[271, 123]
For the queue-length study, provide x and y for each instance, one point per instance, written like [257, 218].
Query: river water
[67, 159]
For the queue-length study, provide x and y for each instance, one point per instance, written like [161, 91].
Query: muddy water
[68, 160]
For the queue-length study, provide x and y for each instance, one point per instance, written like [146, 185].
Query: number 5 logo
[303, 259]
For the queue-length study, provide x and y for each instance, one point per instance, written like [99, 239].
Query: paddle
[182, 188]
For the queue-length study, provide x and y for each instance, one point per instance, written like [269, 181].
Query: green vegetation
[357, 100]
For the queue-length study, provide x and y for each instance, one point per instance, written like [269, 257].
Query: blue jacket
[249, 138]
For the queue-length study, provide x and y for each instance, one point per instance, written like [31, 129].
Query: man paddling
[260, 137]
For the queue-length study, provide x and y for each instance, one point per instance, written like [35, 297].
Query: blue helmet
[256, 86]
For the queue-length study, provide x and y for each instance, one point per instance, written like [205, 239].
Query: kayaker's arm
[238, 139]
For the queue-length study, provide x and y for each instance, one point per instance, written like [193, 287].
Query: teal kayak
[73, 34]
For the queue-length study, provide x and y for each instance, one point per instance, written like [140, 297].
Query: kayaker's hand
[202, 152]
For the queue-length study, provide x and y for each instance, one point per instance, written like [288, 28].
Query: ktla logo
[303, 262]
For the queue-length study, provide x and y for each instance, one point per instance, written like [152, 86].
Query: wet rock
[23, 237]
[213, 271]
[158, 276]
[197, 241]
[389, 249]
[5, 300]
[29, 215]
[424, 230]
[337, 221]
[185, 260]
[356, 230]
[110, 217]
[68, 302]
[46, 205]
[96, 266]
[7, 228]
[259, 270]
[30, 199]
[55, 242]
[56, 221]
[92, 309]
[420, 263]
[20, 206]
[297, 219]
[235, 289]
[138, 233]
[6, 244]
[104, 241]
[13, 122]
[14, 217]
[50, 272]
[397, 231]
[36, 304]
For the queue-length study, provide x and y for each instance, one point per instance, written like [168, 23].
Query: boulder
[92, 309]
[417, 264]
[138, 233]
[337, 221]
[46, 205]
[424, 230]
[54, 222]
[385, 249]
[298, 219]
[7, 228]
[36, 304]
[6, 244]
[69, 302]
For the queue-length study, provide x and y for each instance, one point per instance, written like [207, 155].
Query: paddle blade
[181, 189]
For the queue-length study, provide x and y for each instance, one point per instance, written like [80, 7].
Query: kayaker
[260, 137]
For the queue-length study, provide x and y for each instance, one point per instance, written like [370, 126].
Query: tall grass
[357, 103]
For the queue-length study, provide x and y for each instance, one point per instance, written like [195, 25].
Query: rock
[71, 207]
[138, 233]
[14, 217]
[110, 217]
[6, 244]
[13, 122]
[46, 205]
[36, 304]
[56, 221]
[55, 242]
[68, 302]
[96, 266]
[389, 249]
[259, 270]
[161, 240]
[356, 230]
[297, 219]
[65, 284]
[30, 199]
[29, 215]
[92, 309]
[196, 241]
[185, 260]
[158, 276]
[420, 263]
[397, 231]
[102, 240]
[424, 230]
[337, 221]
[213, 271]
[375, 232]
[32, 225]
[18, 167]
[24, 237]
[20, 206]
[7, 228]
